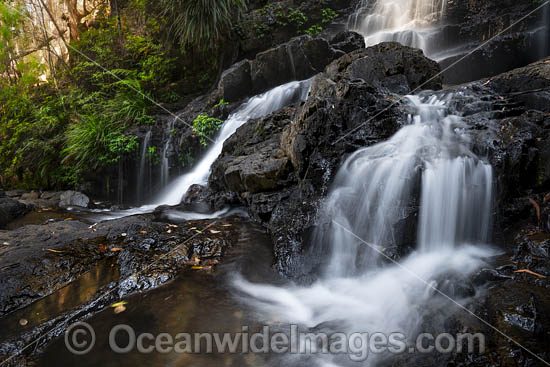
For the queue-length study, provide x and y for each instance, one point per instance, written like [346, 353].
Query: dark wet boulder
[472, 23]
[235, 83]
[10, 210]
[347, 41]
[299, 59]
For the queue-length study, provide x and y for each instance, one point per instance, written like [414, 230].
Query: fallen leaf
[197, 267]
[537, 207]
[530, 272]
[54, 251]
[103, 247]
[119, 309]
[214, 231]
[539, 139]
[193, 228]
[92, 226]
[169, 231]
[143, 232]
[227, 225]
[198, 231]
[121, 303]
[116, 249]
[67, 219]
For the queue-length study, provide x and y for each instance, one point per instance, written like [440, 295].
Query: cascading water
[164, 162]
[373, 191]
[142, 173]
[410, 22]
[258, 106]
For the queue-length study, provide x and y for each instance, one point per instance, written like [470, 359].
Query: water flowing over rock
[351, 91]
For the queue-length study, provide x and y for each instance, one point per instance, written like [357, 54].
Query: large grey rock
[300, 58]
[235, 83]
[73, 198]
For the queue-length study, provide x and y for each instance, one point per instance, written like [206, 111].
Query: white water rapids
[430, 158]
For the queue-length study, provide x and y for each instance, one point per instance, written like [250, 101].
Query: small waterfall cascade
[257, 106]
[164, 161]
[144, 167]
[410, 22]
[427, 163]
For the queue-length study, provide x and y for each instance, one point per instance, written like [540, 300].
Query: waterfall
[164, 161]
[142, 174]
[258, 106]
[410, 22]
[429, 162]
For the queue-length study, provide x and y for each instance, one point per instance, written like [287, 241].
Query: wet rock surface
[281, 166]
[11, 209]
[36, 261]
[471, 23]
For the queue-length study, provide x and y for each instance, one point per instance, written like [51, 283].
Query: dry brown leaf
[143, 232]
[537, 207]
[119, 309]
[102, 247]
[116, 249]
[530, 272]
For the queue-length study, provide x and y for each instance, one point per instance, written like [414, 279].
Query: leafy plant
[200, 23]
[328, 14]
[314, 30]
[204, 127]
[297, 17]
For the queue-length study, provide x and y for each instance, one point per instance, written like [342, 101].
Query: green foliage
[328, 14]
[297, 17]
[222, 102]
[204, 127]
[200, 23]
[314, 30]
[153, 156]
[95, 141]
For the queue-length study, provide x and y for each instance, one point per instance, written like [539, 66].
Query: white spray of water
[410, 22]
[372, 193]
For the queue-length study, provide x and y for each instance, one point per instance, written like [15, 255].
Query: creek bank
[37, 261]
